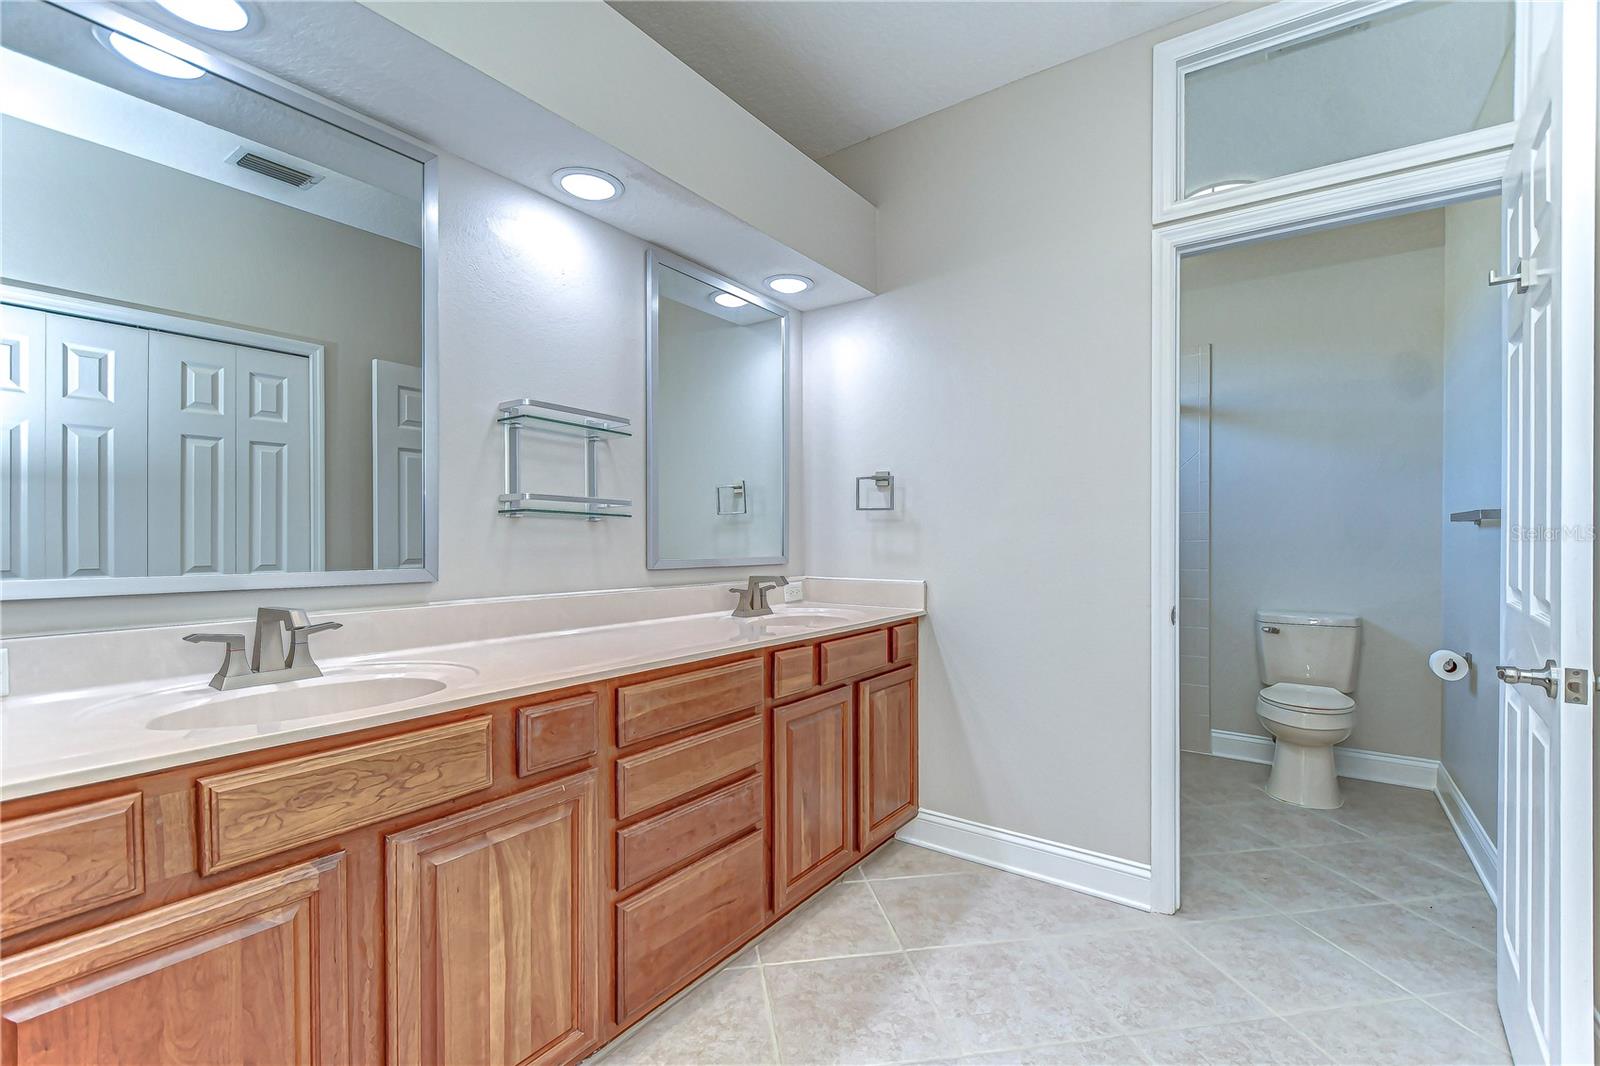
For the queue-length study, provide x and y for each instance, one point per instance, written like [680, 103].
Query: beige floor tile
[1406, 948]
[1388, 871]
[1205, 779]
[1209, 830]
[1152, 979]
[1113, 1052]
[1286, 825]
[1478, 1011]
[1403, 1033]
[995, 996]
[1264, 1042]
[1286, 965]
[868, 1009]
[1209, 892]
[747, 957]
[899, 859]
[1470, 916]
[1288, 880]
[723, 1022]
[1441, 849]
[1389, 810]
[988, 907]
[842, 919]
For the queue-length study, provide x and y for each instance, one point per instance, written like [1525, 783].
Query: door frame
[101, 310]
[1374, 198]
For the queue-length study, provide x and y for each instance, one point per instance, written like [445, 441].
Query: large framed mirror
[717, 421]
[216, 329]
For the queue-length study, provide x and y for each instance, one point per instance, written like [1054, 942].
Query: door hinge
[1575, 686]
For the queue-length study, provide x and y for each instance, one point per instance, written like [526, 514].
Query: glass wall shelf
[513, 505]
[593, 426]
[536, 414]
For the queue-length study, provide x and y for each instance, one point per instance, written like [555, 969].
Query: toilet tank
[1309, 648]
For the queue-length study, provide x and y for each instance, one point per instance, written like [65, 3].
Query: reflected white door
[397, 466]
[22, 388]
[272, 463]
[192, 470]
[97, 378]
[1545, 933]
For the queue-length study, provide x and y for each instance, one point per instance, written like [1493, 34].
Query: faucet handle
[307, 630]
[234, 641]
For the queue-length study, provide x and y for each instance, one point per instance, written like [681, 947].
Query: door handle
[1523, 279]
[1545, 678]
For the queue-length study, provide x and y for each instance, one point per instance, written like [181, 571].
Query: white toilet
[1308, 664]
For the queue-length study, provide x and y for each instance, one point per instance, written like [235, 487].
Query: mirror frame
[654, 260]
[258, 81]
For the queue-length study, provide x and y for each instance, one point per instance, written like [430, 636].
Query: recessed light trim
[586, 183]
[789, 284]
[728, 300]
[224, 16]
[149, 57]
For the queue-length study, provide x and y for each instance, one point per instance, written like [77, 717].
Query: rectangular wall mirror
[718, 365]
[213, 355]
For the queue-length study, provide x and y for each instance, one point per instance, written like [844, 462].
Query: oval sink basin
[337, 693]
[799, 619]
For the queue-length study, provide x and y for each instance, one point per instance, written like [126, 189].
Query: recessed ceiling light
[152, 58]
[788, 284]
[224, 16]
[728, 299]
[588, 184]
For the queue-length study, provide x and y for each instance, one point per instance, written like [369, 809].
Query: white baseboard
[1043, 860]
[1406, 770]
[1484, 855]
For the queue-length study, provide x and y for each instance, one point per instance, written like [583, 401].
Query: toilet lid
[1307, 697]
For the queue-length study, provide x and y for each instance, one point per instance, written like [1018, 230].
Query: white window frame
[1270, 27]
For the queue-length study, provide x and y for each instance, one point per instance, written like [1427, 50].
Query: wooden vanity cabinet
[513, 883]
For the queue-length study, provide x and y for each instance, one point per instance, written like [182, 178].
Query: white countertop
[70, 737]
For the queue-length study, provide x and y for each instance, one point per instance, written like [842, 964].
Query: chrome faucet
[753, 597]
[272, 660]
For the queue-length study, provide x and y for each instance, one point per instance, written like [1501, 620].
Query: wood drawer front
[656, 844]
[55, 865]
[677, 769]
[670, 932]
[849, 656]
[672, 703]
[903, 642]
[249, 814]
[793, 670]
[554, 734]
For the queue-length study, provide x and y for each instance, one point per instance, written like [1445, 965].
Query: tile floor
[1354, 936]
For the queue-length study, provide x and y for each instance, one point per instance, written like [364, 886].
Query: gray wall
[1003, 375]
[1326, 465]
[103, 224]
[1472, 556]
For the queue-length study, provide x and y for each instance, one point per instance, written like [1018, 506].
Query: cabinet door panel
[493, 938]
[253, 973]
[813, 795]
[886, 709]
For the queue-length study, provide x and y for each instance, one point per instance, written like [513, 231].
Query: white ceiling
[826, 74]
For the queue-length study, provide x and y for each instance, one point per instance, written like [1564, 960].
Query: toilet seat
[1309, 707]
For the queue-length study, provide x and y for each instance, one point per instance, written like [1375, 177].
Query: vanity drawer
[659, 843]
[671, 931]
[903, 642]
[55, 865]
[249, 814]
[677, 769]
[849, 656]
[657, 707]
[793, 670]
[553, 734]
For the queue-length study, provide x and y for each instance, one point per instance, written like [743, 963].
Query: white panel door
[192, 440]
[272, 397]
[97, 378]
[22, 423]
[1545, 934]
[397, 467]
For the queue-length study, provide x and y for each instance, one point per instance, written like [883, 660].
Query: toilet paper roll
[1449, 665]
